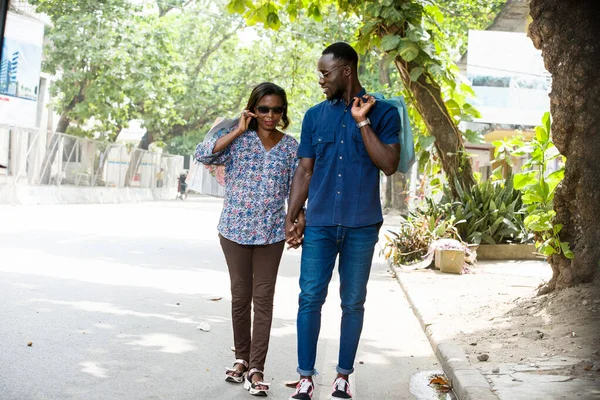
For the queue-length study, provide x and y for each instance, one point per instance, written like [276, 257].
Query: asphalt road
[111, 297]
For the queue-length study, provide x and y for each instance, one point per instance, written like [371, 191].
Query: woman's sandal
[235, 375]
[259, 388]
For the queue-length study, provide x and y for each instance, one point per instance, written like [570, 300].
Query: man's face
[334, 81]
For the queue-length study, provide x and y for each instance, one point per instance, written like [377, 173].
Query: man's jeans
[320, 248]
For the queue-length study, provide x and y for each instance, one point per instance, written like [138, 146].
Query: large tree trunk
[399, 192]
[567, 33]
[448, 139]
[136, 158]
[63, 124]
[52, 149]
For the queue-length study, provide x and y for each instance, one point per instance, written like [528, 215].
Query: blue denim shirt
[344, 189]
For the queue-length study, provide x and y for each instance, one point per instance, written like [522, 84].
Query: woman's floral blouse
[257, 185]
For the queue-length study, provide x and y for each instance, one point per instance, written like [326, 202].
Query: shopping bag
[407, 146]
[210, 178]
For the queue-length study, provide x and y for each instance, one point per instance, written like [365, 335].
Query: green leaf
[390, 42]
[546, 248]
[408, 50]
[435, 13]
[524, 179]
[416, 73]
[541, 134]
[469, 109]
[557, 228]
[546, 121]
[416, 33]
[236, 6]
[273, 21]
[453, 107]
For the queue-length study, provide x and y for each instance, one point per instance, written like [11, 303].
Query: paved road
[111, 297]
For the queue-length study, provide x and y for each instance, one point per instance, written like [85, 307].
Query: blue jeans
[320, 248]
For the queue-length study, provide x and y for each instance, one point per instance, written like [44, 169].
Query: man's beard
[338, 94]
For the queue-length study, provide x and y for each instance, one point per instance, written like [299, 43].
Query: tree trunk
[136, 158]
[399, 192]
[567, 33]
[448, 139]
[387, 200]
[52, 149]
[102, 159]
[63, 124]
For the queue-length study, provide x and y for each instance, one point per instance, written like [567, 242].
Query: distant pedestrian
[160, 178]
[182, 192]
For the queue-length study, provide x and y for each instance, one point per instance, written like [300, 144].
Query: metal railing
[36, 157]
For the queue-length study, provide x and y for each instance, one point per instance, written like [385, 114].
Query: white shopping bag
[209, 178]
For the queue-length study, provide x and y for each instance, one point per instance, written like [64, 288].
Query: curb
[468, 383]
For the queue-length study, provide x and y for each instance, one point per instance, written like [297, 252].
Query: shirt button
[342, 142]
[340, 175]
[340, 157]
[338, 192]
[319, 139]
[343, 126]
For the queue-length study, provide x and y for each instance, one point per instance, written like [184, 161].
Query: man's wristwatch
[363, 123]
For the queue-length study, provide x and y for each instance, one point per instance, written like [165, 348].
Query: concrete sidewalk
[480, 314]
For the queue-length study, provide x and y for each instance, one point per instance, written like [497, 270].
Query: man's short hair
[342, 51]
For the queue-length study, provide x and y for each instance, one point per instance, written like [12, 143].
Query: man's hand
[294, 231]
[361, 107]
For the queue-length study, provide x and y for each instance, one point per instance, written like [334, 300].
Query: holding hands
[294, 231]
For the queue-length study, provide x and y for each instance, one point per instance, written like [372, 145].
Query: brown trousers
[253, 273]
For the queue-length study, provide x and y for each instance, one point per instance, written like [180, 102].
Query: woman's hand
[245, 119]
[295, 231]
[224, 141]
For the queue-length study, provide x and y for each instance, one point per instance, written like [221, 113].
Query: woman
[259, 164]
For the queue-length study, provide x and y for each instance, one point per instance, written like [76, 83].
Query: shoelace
[305, 385]
[340, 384]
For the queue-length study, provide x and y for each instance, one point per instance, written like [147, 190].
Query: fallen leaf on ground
[215, 298]
[440, 383]
[29, 344]
[439, 380]
[291, 384]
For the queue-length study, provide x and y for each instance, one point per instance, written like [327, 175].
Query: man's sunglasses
[323, 75]
[265, 110]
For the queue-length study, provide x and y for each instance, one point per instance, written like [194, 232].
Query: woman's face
[269, 110]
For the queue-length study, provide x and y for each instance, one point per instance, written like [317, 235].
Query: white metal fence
[35, 157]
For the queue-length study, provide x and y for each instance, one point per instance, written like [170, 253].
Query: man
[345, 142]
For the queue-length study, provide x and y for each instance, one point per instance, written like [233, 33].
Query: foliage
[460, 16]
[417, 231]
[538, 186]
[114, 61]
[414, 36]
[491, 212]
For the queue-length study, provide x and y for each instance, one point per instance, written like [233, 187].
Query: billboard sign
[20, 69]
[508, 76]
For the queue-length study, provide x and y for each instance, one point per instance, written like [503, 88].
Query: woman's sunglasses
[265, 110]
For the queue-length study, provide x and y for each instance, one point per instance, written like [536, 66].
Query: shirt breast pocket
[361, 154]
[323, 142]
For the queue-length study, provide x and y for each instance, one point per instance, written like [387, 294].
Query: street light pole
[3, 13]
